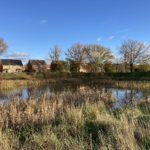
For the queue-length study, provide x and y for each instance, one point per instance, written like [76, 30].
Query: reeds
[76, 121]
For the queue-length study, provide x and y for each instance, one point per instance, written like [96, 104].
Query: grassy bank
[75, 121]
[135, 76]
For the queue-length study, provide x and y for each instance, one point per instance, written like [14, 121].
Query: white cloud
[17, 55]
[101, 39]
[43, 21]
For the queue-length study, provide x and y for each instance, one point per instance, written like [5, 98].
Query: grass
[116, 80]
[12, 81]
[119, 76]
[79, 120]
[76, 121]
[14, 84]
[15, 76]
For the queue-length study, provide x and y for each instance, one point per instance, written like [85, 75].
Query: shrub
[59, 66]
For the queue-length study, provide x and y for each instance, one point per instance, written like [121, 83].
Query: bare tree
[134, 52]
[98, 56]
[3, 46]
[55, 53]
[76, 53]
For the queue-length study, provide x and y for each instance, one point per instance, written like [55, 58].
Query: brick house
[11, 66]
[36, 66]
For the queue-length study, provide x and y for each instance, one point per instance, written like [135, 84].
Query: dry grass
[13, 84]
[73, 121]
[123, 84]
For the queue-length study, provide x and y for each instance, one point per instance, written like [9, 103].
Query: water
[122, 96]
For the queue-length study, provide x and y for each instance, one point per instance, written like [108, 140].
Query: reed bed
[76, 121]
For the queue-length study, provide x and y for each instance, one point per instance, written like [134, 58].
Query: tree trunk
[131, 67]
[126, 67]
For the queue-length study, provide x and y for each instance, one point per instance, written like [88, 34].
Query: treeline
[134, 56]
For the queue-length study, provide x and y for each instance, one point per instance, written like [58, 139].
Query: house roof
[37, 62]
[12, 62]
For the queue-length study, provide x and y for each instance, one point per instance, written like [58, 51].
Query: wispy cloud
[118, 34]
[110, 38]
[17, 55]
[43, 21]
[122, 31]
[101, 39]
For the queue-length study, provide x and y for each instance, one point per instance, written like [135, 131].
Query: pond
[122, 96]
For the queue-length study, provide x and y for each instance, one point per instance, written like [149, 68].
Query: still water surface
[122, 96]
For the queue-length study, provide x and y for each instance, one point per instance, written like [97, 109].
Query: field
[79, 120]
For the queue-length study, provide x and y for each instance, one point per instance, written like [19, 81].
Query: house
[76, 66]
[11, 66]
[36, 66]
[85, 67]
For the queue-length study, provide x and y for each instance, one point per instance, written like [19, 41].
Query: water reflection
[122, 96]
[129, 97]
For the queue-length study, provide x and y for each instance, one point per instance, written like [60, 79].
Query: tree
[59, 66]
[98, 56]
[3, 46]
[76, 53]
[55, 53]
[134, 52]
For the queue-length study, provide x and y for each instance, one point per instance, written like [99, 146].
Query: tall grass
[13, 84]
[75, 121]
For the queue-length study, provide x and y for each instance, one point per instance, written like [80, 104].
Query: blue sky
[31, 27]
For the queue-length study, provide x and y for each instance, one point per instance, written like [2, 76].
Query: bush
[110, 68]
[74, 66]
[59, 66]
[142, 68]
